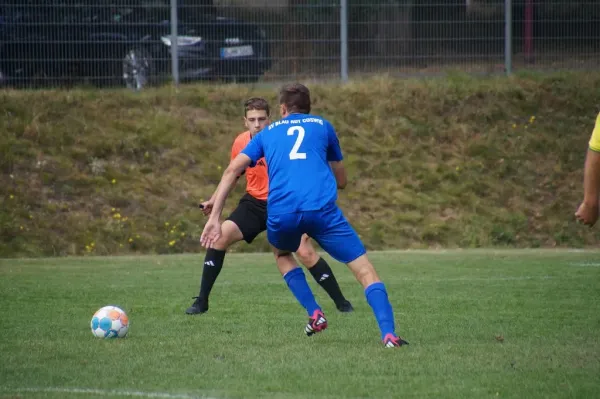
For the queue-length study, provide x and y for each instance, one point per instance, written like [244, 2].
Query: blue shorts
[327, 226]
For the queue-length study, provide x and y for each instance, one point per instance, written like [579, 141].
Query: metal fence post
[344, 40]
[174, 43]
[508, 36]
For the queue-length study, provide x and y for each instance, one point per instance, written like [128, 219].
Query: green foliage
[445, 162]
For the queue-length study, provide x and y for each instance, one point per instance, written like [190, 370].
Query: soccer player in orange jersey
[249, 219]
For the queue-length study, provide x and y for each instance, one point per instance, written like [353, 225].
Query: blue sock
[296, 281]
[378, 299]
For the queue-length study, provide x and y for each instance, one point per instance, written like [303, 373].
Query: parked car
[124, 41]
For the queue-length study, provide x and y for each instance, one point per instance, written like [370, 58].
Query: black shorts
[250, 216]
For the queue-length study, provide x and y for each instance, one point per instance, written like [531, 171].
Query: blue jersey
[298, 150]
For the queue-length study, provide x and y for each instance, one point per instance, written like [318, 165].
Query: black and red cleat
[392, 341]
[316, 323]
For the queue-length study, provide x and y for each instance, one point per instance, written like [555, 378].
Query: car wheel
[137, 69]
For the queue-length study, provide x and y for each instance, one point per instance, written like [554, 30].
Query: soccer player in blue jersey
[305, 170]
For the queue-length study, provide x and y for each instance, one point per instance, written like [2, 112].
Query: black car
[124, 41]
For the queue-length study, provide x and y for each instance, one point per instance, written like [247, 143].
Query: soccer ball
[110, 322]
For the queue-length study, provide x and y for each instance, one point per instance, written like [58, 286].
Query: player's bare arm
[588, 210]
[254, 120]
[207, 206]
[212, 229]
[230, 177]
[339, 171]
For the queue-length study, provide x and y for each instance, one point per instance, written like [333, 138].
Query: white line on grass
[105, 392]
[489, 251]
[484, 279]
[586, 264]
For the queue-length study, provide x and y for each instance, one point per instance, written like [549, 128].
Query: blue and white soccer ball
[110, 322]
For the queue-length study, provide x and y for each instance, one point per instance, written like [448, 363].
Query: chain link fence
[136, 43]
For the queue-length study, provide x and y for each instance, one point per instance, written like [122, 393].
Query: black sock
[324, 276]
[213, 263]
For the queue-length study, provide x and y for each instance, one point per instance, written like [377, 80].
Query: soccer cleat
[391, 341]
[344, 306]
[198, 307]
[316, 323]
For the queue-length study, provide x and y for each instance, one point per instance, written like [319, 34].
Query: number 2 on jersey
[294, 154]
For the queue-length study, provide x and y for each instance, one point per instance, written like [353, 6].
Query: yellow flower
[171, 243]
[125, 219]
[114, 181]
[120, 245]
[183, 234]
[11, 196]
[167, 224]
[137, 236]
[514, 126]
[113, 209]
[93, 244]
[21, 227]
[532, 119]
[172, 231]
[130, 240]
[117, 216]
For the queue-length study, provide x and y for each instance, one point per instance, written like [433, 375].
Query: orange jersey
[257, 178]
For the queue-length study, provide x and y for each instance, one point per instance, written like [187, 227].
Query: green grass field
[481, 324]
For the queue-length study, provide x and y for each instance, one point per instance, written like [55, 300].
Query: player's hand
[210, 234]
[587, 213]
[207, 207]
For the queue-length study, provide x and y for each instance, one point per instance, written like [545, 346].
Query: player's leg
[213, 263]
[245, 222]
[377, 297]
[337, 237]
[285, 239]
[322, 273]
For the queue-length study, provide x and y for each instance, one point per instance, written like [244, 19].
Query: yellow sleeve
[595, 140]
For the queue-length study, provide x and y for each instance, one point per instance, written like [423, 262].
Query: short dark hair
[296, 98]
[258, 104]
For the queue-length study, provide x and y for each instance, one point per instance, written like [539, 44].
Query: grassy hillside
[453, 162]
